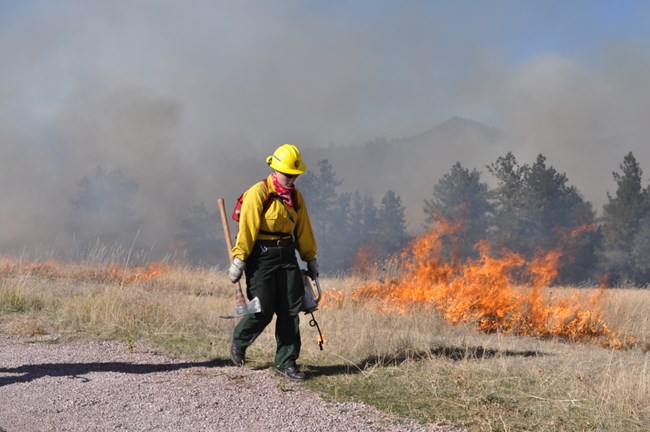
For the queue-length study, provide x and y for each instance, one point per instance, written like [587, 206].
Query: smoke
[585, 120]
[179, 96]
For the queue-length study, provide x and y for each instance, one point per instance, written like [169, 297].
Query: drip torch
[310, 302]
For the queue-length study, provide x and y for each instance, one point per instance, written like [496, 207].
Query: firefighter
[270, 231]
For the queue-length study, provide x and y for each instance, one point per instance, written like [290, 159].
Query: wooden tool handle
[224, 222]
[239, 295]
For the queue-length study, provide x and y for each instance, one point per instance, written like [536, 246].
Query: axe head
[249, 308]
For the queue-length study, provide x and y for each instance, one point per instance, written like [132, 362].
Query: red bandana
[283, 192]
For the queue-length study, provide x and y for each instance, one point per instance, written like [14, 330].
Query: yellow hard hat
[287, 160]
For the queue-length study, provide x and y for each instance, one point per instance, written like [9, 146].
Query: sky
[174, 93]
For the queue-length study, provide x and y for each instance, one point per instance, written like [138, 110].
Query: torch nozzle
[314, 323]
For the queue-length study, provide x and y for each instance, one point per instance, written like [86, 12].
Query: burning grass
[52, 269]
[415, 363]
[387, 345]
[496, 294]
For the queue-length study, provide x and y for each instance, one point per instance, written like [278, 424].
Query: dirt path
[101, 386]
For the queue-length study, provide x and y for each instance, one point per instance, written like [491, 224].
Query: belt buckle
[282, 242]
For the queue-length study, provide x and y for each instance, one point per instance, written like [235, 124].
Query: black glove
[312, 267]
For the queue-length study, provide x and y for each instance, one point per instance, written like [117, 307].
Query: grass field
[408, 360]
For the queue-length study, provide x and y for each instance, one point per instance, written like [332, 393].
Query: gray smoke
[181, 96]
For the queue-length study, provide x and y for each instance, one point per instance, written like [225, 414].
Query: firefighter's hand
[236, 270]
[312, 267]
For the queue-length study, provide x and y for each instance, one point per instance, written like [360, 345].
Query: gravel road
[102, 386]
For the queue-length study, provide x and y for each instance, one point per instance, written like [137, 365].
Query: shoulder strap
[240, 200]
[269, 196]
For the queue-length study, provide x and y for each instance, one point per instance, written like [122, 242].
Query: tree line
[531, 208]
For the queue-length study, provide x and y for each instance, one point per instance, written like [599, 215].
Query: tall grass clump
[17, 298]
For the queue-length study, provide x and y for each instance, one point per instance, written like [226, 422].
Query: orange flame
[583, 229]
[332, 298]
[363, 259]
[53, 269]
[483, 291]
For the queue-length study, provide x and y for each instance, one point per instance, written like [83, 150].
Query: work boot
[237, 355]
[291, 372]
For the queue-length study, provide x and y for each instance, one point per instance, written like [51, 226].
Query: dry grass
[413, 364]
[178, 308]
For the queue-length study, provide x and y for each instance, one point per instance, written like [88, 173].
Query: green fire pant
[273, 276]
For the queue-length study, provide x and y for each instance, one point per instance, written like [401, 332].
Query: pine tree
[364, 231]
[460, 197]
[507, 198]
[553, 204]
[625, 226]
[319, 192]
[536, 210]
[342, 241]
[369, 219]
[391, 224]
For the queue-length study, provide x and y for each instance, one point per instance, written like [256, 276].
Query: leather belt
[283, 242]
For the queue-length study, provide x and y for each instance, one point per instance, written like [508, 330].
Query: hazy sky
[173, 91]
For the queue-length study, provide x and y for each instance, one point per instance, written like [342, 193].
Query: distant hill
[411, 166]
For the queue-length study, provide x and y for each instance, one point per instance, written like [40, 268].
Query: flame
[149, 271]
[13, 266]
[332, 298]
[363, 259]
[583, 229]
[53, 269]
[504, 293]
